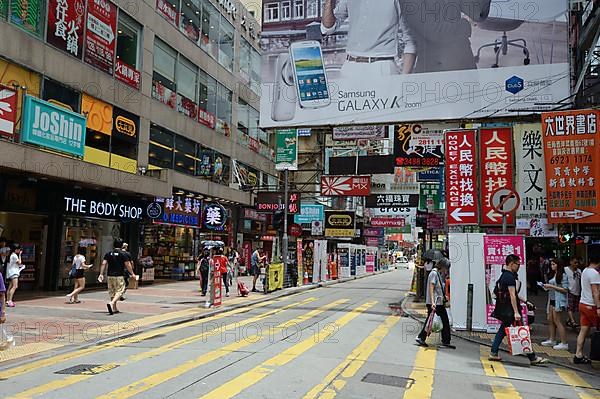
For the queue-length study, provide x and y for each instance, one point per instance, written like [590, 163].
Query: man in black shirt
[125, 248]
[117, 261]
[508, 307]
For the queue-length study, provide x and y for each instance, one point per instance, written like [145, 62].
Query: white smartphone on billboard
[283, 107]
[309, 74]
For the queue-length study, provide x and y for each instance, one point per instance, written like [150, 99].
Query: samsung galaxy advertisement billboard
[336, 62]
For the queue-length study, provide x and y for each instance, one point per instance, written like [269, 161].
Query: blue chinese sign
[309, 214]
[53, 127]
[214, 216]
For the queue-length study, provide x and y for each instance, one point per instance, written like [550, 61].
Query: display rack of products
[171, 249]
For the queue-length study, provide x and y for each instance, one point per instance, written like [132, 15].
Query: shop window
[272, 12]
[243, 117]
[185, 155]
[221, 169]
[224, 97]
[190, 19]
[286, 10]
[187, 94]
[28, 15]
[226, 35]
[207, 97]
[98, 141]
[255, 71]
[160, 152]
[253, 121]
[128, 41]
[163, 78]
[245, 57]
[61, 95]
[209, 36]
[204, 166]
[125, 132]
[298, 9]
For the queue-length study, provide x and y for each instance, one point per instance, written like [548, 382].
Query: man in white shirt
[374, 30]
[589, 305]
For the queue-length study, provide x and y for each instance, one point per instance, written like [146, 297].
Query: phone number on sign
[566, 159]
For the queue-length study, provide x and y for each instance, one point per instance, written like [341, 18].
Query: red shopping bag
[519, 340]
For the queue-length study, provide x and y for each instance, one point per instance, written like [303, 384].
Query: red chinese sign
[127, 74]
[496, 171]
[217, 283]
[351, 186]
[65, 25]
[187, 107]
[253, 144]
[100, 36]
[571, 149]
[8, 111]
[387, 222]
[461, 177]
[165, 9]
[206, 118]
[163, 94]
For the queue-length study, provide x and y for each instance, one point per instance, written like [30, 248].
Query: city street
[337, 341]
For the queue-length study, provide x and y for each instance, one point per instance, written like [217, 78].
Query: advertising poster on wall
[420, 61]
[100, 35]
[65, 25]
[286, 155]
[419, 145]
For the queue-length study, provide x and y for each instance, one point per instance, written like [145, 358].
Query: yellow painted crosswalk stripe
[336, 379]
[582, 387]
[500, 389]
[233, 387]
[151, 381]
[422, 375]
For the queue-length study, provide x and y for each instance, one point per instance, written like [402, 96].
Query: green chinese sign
[398, 230]
[286, 155]
[430, 197]
[28, 14]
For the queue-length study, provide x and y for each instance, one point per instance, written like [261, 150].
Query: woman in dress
[13, 271]
[79, 267]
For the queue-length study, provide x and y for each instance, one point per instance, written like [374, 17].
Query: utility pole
[284, 244]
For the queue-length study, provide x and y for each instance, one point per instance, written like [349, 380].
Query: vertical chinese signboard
[531, 179]
[496, 171]
[571, 149]
[286, 156]
[461, 177]
[100, 36]
[65, 25]
[8, 111]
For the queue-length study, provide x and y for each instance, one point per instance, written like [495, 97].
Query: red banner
[349, 186]
[100, 36]
[128, 75]
[387, 222]
[187, 107]
[217, 283]
[165, 9]
[571, 149]
[206, 118]
[8, 111]
[461, 177]
[496, 171]
[65, 25]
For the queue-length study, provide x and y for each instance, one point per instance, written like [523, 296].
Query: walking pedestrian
[13, 271]
[435, 300]
[221, 263]
[574, 275]
[116, 262]
[2, 300]
[79, 267]
[4, 255]
[589, 305]
[202, 268]
[258, 258]
[508, 309]
[125, 248]
[558, 288]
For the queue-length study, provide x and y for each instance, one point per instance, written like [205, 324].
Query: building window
[245, 57]
[243, 117]
[207, 93]
[160, 152]
[60, 95]
[226, 35]
[224, 97]
[312, 8]
[255, 71]
[124, 138]
[209, 36]
[28, 15]
[298, 9]
[185, 155]
[3, 9]
[271, 12]
[187, 76]
[163, 78]
[128, 41]
[286, 10]
[190, 20]
[322, 8]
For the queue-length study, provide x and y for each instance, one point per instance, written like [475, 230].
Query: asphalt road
[339, 341]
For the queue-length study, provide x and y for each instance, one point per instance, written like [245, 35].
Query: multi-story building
[130, 118]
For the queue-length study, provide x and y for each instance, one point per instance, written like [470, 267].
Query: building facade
[120, 107]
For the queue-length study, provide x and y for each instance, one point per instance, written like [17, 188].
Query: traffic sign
[505, 200]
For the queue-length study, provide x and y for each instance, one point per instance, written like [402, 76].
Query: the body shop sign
[100, 36]
[65, 25]
[101, 209]
[53, 127]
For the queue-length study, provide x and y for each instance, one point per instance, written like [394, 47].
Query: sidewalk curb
[265, 298]
[488, 344]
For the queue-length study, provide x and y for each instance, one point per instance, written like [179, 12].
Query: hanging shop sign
[373, 232]
[351, 186]
[430, 197]
[387, 222]
[571, 148]
[65, 25]
[316, 228]
[8, 111]
[531, 179]
[252, 214]
[340, 223]
[461, 177]
[168, 11]
[106, 209]
[286, 149]
[53, 127]
[430, 175]
[214, 216]
[100, 35]
[372, 132]
[179, 210]
[310, 213]
[392, 200]
[274, 201]
[496, 171]
[418, 145]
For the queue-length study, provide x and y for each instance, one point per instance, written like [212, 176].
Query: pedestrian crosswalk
[305, 347]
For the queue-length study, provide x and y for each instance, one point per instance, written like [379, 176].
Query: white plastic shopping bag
[519, 340]
[437, 324]
[6, 339]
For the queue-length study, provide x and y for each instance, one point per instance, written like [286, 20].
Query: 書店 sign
[340, 224]
[53, 127]
[530, 181]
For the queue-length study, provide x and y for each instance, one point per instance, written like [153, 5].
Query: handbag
[73, 271]
[519, 340]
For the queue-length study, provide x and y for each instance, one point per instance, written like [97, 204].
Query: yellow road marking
[350, 366]
[422, 375]
[500, 389]
[59, 384]
[151, 381]
[233, 387]
[579, 384]
[35, 365]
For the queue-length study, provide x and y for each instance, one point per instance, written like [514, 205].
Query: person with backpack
[508, 309]
[435, 300]
[202, 268]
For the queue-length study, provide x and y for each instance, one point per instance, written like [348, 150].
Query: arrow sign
[493, 216]
[579, 214]
[576, 214]
[458, 215]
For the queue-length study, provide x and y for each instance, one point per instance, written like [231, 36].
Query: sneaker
[420, 342]
[548, 342]
[494, 357]
[581, 360]
[227, 294]
[561, 347]
[10, 304]
[449, 346]
[538, 361]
